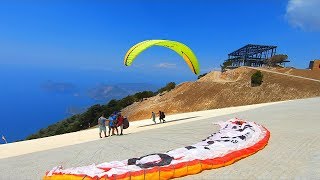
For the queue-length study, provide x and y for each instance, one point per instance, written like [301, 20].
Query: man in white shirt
[102, 126]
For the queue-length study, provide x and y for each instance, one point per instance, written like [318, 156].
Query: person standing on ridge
[115, 122]
[111, 124]
[153, 116]
[120, 122]
[160, 116]
[163, 116]
[102, 126]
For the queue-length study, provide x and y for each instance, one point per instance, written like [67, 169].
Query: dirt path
[285, 74]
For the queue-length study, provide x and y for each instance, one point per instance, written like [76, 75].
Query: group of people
[161, 116]
[114, 121]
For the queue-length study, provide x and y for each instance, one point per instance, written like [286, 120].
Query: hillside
[300, 72]
[231, 88]
[104, 92]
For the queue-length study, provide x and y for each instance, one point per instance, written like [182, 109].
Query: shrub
[256, 79]
[225, 64]
[167, 88]
[276, 59]
[143, 94]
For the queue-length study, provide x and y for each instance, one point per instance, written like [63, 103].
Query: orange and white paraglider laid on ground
[235, 140]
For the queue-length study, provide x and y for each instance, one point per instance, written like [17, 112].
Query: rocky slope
[231, 88]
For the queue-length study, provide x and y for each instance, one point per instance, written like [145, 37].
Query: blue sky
[95, 35]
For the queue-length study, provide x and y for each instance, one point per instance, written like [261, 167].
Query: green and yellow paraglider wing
[184, 51]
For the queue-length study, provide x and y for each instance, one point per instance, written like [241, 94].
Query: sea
[32, 98]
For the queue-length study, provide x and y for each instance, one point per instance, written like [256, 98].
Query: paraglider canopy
[184, 51]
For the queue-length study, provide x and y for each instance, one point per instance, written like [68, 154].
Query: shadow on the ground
[170, 121]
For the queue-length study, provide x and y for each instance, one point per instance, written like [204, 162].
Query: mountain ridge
[230, 88]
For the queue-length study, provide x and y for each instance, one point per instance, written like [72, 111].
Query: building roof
[251, 49]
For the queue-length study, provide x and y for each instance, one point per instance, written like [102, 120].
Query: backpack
[163, 115]
[125, 123]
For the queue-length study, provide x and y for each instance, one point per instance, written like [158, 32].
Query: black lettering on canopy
[165, 160]
[234, 141]
[222, 140]
[190, 147]
[245, 127]
[242, 137]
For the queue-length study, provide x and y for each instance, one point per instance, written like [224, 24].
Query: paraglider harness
[125, 123]
[162, 115]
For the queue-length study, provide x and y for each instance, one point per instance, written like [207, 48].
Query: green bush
[225, 64]
[256, 79]
[143, 94]
[167, 88]
[276, 59]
